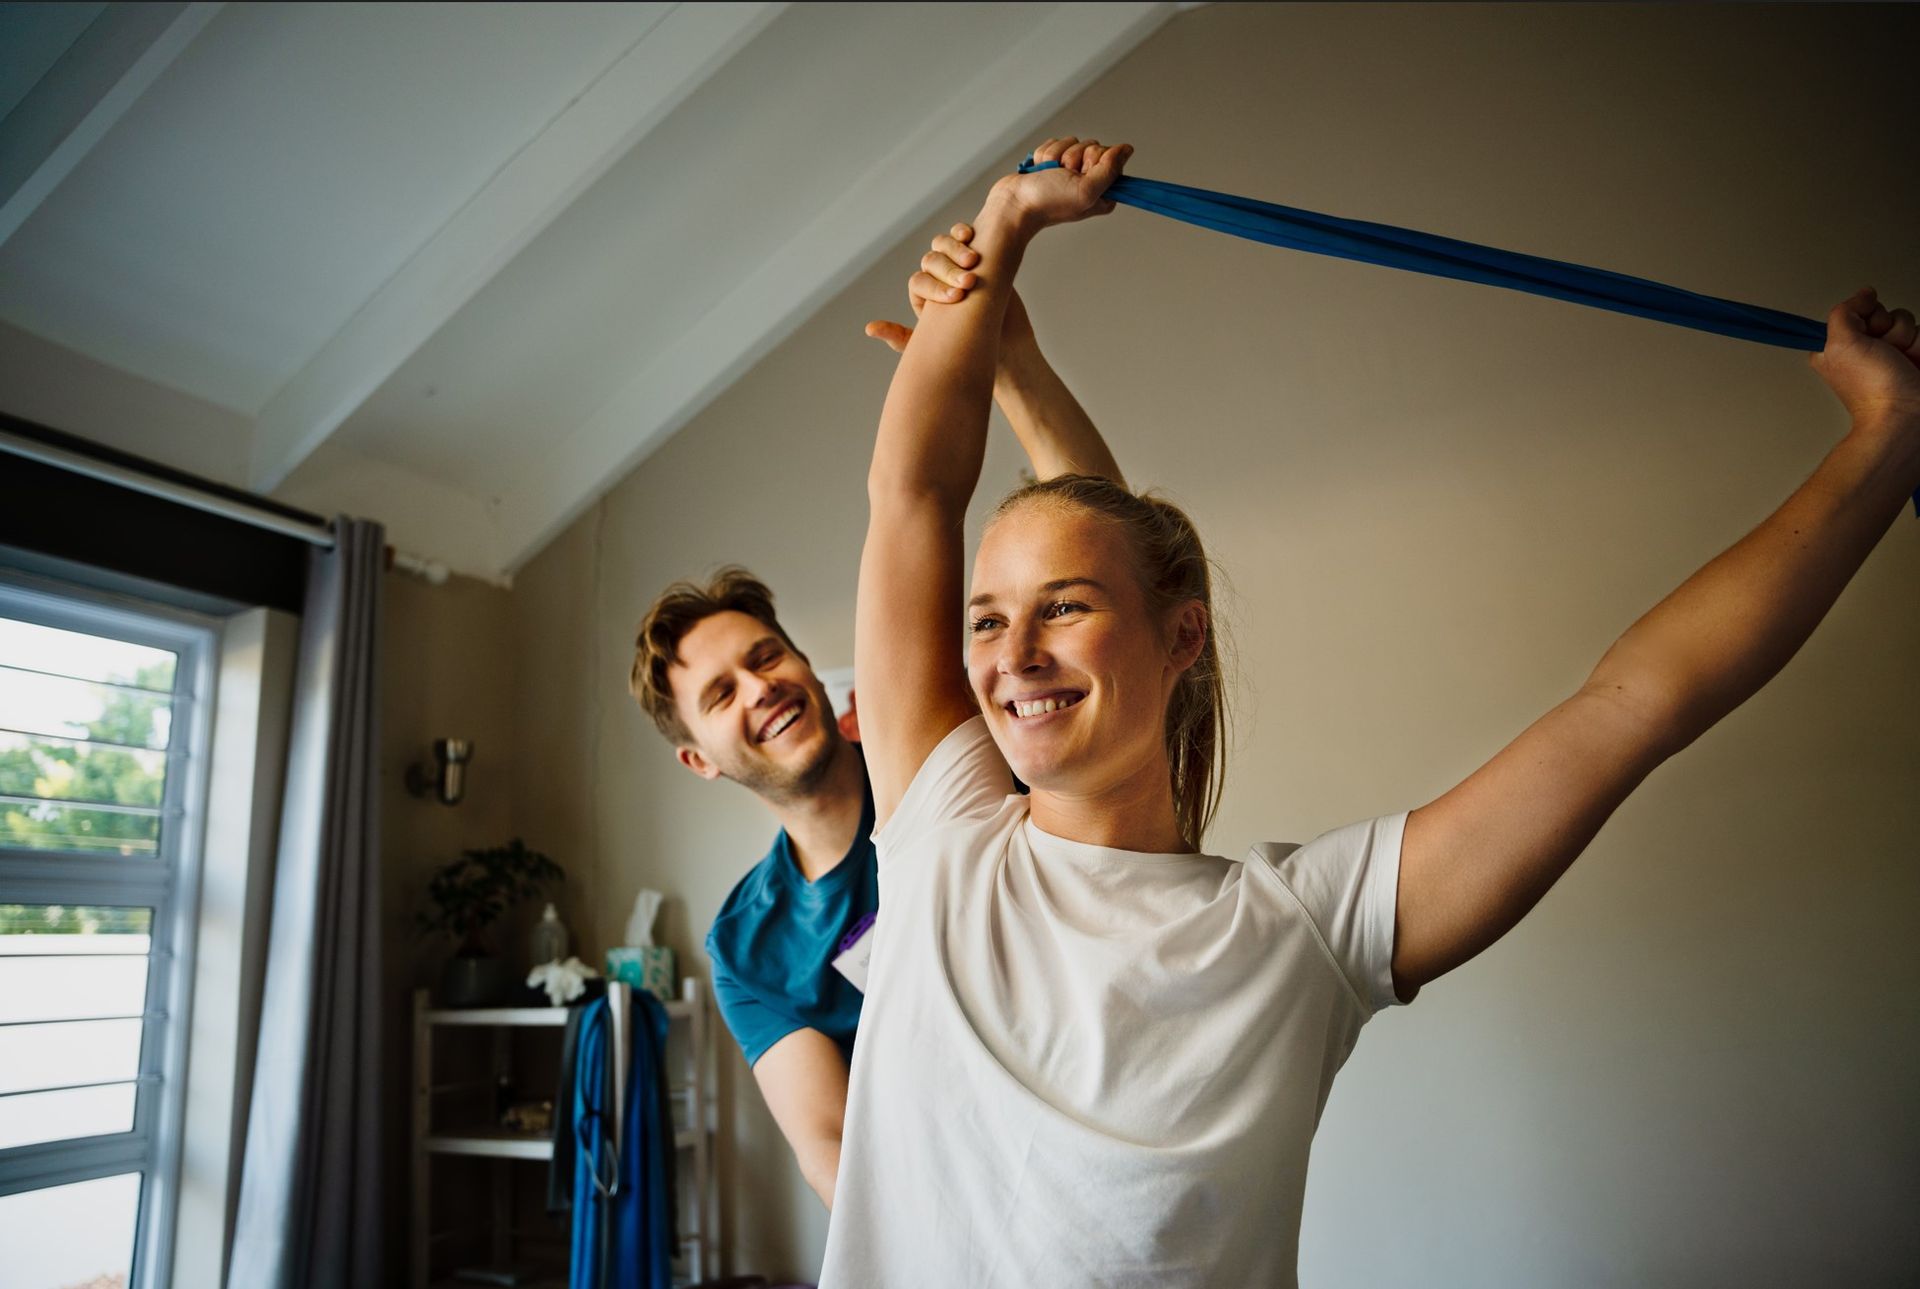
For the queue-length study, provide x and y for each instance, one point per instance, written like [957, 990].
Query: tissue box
[649, 968]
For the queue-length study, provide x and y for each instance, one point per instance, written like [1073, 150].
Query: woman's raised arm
[1058, 435]
[926, 462]
[1474, 861]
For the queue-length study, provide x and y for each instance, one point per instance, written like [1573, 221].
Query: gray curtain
[311, 1204]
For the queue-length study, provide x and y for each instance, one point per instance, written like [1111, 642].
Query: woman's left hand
[1075, 190]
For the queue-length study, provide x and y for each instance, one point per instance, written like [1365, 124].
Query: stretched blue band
[1402, 248]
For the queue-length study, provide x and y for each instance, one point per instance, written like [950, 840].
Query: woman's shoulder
[1336, 857]
[964, 777]
[1346, 882]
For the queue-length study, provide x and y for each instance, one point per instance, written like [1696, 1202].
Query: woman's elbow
[1654, 710]
[893, 492]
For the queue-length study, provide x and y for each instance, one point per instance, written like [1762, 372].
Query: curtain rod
[318, 534]
[313, 532]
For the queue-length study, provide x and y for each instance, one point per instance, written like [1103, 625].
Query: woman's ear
[1189, 634]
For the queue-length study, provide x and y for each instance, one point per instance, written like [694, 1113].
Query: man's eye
[720, 699]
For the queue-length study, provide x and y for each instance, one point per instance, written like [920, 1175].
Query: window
[103, 750]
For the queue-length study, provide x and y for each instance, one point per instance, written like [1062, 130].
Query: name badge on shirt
[856, 948]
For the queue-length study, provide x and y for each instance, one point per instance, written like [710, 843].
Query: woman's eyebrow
[986, 598]
[1068, 583]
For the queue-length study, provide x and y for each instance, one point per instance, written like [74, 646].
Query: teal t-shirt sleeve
[756, 1026]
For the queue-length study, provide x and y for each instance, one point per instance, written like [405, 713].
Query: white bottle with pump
[549, 938]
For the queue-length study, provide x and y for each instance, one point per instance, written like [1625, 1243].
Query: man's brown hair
[679, 609]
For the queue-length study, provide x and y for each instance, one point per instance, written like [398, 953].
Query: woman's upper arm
[908, 665]
[1474, 861]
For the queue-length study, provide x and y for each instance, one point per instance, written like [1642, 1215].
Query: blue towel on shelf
[626, 1240]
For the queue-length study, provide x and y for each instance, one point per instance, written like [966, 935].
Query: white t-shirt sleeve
[1348, 881]
[964, 777]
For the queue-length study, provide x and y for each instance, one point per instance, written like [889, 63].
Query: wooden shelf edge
[493, 1145]
[679, 1009]
[497, 1016]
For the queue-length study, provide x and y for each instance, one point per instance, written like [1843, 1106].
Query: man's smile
[781, 719]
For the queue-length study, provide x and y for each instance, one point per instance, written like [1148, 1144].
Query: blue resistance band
[1402, 248]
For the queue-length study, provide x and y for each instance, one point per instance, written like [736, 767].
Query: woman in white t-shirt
[1090, 1054]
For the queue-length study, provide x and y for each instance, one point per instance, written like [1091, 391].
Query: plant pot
[475, 982]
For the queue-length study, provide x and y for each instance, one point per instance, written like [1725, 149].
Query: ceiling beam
[986, 120]
[70, 109]
[656, 73]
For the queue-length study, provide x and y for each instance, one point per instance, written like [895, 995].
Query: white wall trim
[252, 713]
[986, 119]
[103, 74]
[638, 91]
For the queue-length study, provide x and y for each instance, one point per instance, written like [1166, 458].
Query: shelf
[497, 1016]
[688, 1074]
[493, 1143]
[678, 1009]
[498, 1143]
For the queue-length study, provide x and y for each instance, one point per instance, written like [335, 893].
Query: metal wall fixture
[446, 779]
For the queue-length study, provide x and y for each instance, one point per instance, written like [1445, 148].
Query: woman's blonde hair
[1173, 569]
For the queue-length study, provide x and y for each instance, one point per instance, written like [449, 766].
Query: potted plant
[467, 896]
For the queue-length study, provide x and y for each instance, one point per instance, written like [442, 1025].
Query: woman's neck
[1134, 814]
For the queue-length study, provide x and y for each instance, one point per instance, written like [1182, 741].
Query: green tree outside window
[62, 771]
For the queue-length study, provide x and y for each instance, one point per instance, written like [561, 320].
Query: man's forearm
[820, 1164]
[804, 1079]
[1058, 435]
[1730, 627]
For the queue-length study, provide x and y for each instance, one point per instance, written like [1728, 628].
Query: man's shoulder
[758, 890]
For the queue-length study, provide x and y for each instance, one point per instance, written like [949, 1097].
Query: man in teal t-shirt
[727, 687]
[774, 931]
[725, 684]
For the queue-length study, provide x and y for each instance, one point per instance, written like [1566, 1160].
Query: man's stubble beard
[779, 785]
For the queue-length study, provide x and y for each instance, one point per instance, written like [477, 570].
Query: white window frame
[167, 882]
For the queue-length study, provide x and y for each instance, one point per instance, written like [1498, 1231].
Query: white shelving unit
[690, 1091]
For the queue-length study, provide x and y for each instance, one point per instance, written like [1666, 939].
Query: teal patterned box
[649, 968]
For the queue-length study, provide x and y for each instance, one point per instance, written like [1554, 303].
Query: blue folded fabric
[624, 1240]
[1403, 248]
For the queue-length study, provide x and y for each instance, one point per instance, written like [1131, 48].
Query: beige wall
[447, 671]
[1436, 504]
